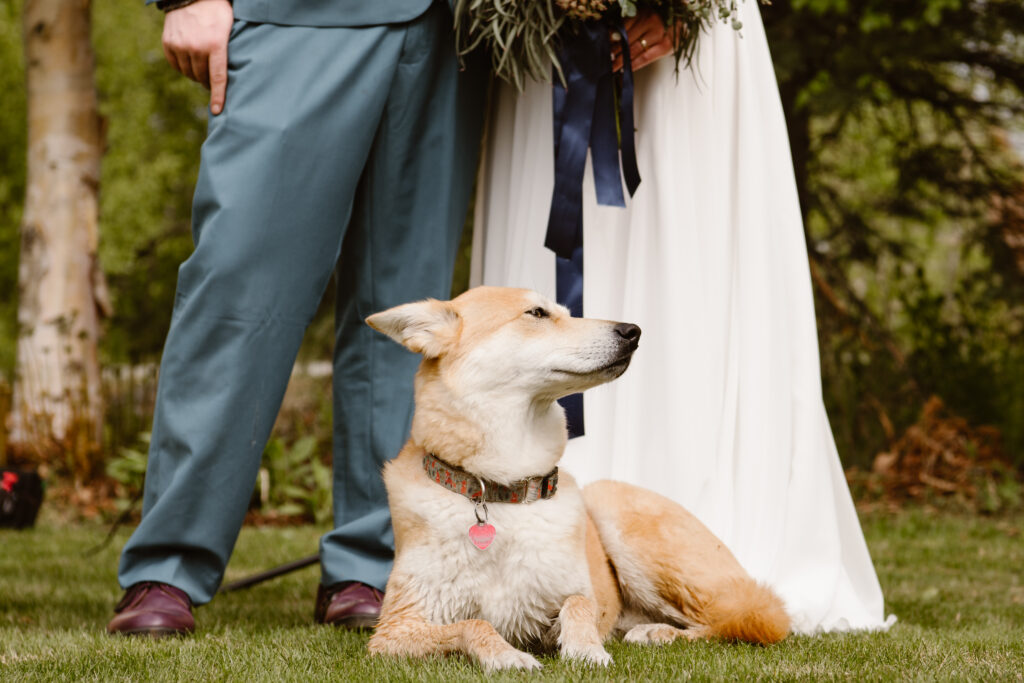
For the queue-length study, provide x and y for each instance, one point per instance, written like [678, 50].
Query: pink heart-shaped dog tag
[481, 535]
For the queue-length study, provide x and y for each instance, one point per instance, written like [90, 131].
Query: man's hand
[196, 44]
[649, 40]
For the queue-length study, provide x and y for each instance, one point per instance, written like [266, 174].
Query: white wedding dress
[722, 407]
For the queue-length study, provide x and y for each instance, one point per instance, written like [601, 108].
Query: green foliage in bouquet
[522, 36]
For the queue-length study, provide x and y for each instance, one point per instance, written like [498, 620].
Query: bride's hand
[648, 40]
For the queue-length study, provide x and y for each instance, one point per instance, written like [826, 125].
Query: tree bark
[57, 402]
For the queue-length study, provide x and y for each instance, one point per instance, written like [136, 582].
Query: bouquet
[524, 36]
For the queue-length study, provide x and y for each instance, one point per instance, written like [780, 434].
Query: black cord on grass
[122, 518]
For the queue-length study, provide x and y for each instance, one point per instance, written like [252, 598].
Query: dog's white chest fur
[519, 582]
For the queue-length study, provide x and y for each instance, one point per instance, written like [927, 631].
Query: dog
[496, 550]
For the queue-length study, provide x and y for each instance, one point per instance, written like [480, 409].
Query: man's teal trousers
[340, 149]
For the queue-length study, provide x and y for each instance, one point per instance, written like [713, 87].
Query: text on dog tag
[481, 535]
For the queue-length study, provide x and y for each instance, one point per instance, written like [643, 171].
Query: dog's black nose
[628, 331]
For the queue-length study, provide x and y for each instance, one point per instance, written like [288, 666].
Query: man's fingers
[218, 79]
[193, 34]
[200, 68]
[185, 65]
[171, 58]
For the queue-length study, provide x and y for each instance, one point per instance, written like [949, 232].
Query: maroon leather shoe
[349, 604]
[153, 609]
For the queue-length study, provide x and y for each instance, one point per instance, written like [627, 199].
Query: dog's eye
[538, 312]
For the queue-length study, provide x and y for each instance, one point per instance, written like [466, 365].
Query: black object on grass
[21, 494]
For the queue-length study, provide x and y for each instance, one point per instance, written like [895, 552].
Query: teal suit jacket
[329, 12]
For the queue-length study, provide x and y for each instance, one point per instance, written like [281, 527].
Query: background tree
[61, 292]
[900, 118]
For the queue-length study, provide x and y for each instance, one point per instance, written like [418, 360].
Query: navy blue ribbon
[584, 118]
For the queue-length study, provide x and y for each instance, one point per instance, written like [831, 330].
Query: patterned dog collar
[468, 485]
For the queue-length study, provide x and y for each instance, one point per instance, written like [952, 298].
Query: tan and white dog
[564, 568]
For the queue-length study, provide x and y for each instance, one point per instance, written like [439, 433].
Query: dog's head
[513, 341]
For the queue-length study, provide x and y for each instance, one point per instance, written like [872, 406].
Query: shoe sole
[356, 623]
[152, 632]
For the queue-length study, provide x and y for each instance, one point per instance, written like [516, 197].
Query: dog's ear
[428, 327]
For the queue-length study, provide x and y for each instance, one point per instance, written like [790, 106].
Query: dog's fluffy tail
[743, 609]
[672, 569]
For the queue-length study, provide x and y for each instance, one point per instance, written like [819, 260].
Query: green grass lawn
[955, 582]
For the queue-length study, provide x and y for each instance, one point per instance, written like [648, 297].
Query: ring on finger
[643, 43]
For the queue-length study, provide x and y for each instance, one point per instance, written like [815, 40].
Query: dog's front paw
[510, 659]
[587, 654]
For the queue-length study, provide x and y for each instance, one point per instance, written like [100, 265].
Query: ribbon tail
[604, 145]
[573, 109]
[569, 292]
[573, 407]
[627, 125]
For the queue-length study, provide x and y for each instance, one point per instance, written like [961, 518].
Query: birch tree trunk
[57, 405]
